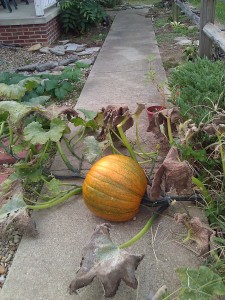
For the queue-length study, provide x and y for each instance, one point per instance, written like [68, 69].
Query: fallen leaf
[199, 232]
[176, 174]
[104, 260]
[13, 210]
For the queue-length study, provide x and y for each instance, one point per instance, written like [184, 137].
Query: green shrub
[198, 88]
[78, 15]
[110, 3]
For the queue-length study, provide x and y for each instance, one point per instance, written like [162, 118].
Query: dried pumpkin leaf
[113, 115]
[160, 119]
[177, 175]
[199, 232]
[139, 109]
[104, 260]
[13, 210]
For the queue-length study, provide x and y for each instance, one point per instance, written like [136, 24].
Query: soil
[171, 53]
[13, 57]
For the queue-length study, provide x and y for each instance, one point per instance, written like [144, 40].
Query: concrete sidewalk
[44, 267]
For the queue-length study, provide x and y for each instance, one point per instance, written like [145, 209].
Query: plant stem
[65, 159]
[125, 140]
[43, 152]
[170, 135]
[145, 229]
[80, 137]
[203, 189]
[58, 201]
[221, 153]
[70, 148]
[114, 150]
[2, 128]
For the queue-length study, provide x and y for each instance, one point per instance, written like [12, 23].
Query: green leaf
[37, 135]
[91, 124]
[54, 187]
[16, 110]
[13, 91]
[26, 171]
[92, 149]
[77, 121]
[200, 284]
[63, 90]
[82, 65]
[29, 83]
[89, 114]
[38, 100]
[50, 85]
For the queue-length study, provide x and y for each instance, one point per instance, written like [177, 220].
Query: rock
[8, 258]
[184, 42]
[89, 51]
[34, 47]
[59, 68]
[70, 60]
[81, 47]
[64, 42]
[87, 61]
[45, 50]
[56, 73]
[192, 27]
[179, 38]
[30, 68]
[58, 50]
[47, 66]
[42, 73]
[71, 47]
[16, 239]
[2, 270]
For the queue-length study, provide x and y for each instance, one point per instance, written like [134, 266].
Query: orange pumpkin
[114, 187]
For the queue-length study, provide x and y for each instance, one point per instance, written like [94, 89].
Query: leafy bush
[110, 3]
[198, 88]
[78, 15]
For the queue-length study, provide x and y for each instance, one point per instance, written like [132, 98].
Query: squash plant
[122, 187]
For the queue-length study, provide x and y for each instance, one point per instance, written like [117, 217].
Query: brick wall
[26, 35]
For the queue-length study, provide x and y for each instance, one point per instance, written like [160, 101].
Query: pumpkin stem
[124, 138]
[56, 200]
[146, 228]
[65, 159]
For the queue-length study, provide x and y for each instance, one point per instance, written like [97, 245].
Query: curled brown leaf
[113, 115]
[198, 232]
[176, 175]
[160, 118]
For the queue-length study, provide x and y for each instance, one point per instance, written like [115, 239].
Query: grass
[179, 31]
[220, 9]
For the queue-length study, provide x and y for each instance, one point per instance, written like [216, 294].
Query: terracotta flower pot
[153, 109]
